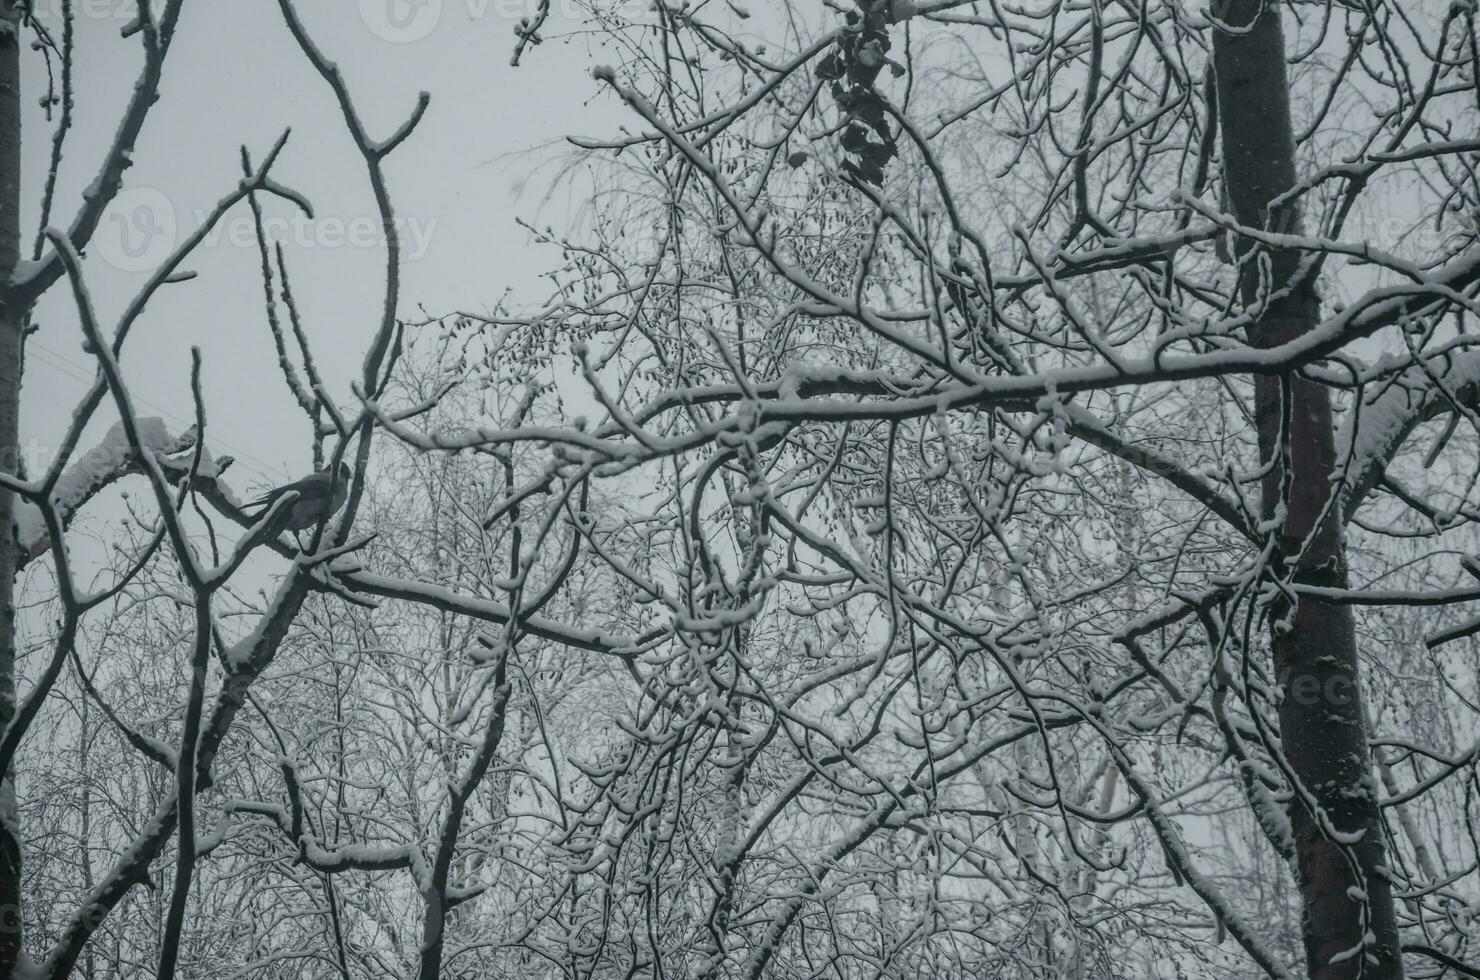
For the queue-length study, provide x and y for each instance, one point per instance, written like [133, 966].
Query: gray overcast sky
[235, 76]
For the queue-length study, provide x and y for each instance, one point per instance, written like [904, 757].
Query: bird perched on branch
[320, 495]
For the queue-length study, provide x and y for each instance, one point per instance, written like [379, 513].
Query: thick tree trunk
[1322, 726]
[12, 325]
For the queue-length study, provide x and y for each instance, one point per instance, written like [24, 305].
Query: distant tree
[1025, 402]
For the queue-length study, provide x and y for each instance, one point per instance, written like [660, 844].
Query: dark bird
[319, 497]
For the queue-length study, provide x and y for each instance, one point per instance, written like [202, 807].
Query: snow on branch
[1377, 428]
[104, 464]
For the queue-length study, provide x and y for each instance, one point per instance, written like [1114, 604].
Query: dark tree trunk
[12, 326]
[1322, 725]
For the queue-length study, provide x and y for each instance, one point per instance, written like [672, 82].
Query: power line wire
[65, 365]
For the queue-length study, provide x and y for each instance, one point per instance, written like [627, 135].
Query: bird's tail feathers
[265, 501]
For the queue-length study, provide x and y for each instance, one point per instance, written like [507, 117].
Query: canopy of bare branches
[991, 492]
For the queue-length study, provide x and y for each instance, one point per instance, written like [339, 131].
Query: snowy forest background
[967, 489]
